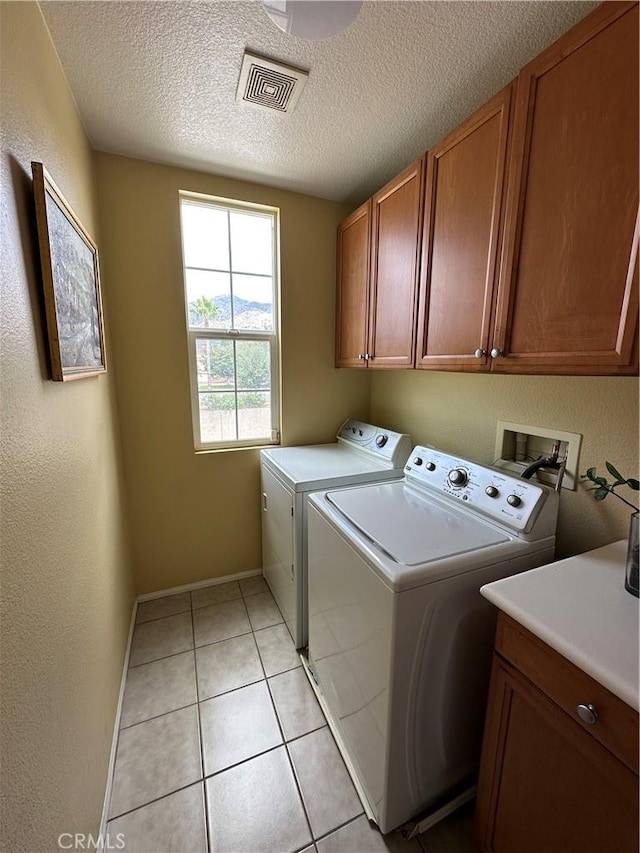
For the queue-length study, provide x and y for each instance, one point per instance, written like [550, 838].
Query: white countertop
[580, 608]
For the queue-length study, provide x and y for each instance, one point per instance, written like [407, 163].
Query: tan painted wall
[66, 586]
[196, 516]
[458, 413]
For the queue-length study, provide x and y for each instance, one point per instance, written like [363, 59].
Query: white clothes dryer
[400, 639]
[363, 453]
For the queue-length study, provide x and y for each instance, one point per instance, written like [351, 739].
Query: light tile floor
[223, 747]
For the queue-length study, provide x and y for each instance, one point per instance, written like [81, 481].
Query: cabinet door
[545, 783]
[465, 188]
[352, 296]
[395, 263]
[568, 293]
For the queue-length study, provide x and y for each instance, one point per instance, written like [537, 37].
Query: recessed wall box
[518, 445]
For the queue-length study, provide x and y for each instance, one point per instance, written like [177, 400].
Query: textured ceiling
[157, 80]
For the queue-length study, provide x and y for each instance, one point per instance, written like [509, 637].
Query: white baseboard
[187, 587]
[102, 837]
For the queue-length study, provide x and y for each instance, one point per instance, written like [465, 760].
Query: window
[230, 256]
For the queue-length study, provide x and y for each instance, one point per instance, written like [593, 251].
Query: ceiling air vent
[269, 84]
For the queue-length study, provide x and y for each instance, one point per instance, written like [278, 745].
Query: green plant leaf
[614, 472]
[600, 494]
[633, 484]
[601, 481]
[591, 473]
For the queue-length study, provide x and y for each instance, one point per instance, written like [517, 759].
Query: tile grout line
[199, 724]
[286, 750]
[295, 775]
[239, 597]
[202, 781]
[192, 607]
[204, 777]
[244, 761]
[341, 826]
[299, 790]
[158, 716]
[115, 738]
[164, 616]
[284, 744]
[215, 696]
[190, 649]
[157, 800]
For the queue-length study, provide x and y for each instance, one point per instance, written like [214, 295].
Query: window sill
[203, 451]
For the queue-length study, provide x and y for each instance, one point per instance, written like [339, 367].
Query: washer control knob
[417, 460]
[381, 440]
[457, 477]
[430, 466]
[492, 491]
[514, 500]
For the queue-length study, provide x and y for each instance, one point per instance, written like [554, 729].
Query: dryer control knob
[417, 460]
[381, 440]
[458, 477]
[430, 466]
[492, 491]
[514, 500]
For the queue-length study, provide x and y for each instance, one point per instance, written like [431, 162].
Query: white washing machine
[362, 454]
[400, 639]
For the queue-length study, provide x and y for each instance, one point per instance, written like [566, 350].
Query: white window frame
[273, 337]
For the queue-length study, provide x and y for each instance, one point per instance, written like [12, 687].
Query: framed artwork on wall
[71, 279]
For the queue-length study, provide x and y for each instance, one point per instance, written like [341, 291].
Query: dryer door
[278, 562]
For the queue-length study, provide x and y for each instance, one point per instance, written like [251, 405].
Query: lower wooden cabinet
[550, 782]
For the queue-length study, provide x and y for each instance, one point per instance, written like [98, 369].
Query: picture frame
[71, 280]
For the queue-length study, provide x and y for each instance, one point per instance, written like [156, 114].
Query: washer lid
[410, 528]
[327, 466]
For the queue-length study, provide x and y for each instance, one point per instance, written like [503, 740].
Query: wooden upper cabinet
[568, 299]
[526, 233]
[352, 296]
[461, 240]
[396, 219]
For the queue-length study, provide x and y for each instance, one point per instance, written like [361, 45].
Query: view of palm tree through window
[229, 266]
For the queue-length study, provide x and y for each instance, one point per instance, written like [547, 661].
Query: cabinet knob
[587, 714]
[480, 353]
[496, 353]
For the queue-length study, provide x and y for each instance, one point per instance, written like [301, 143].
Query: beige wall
[196, 516]
[66, 587]
[458, 413]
